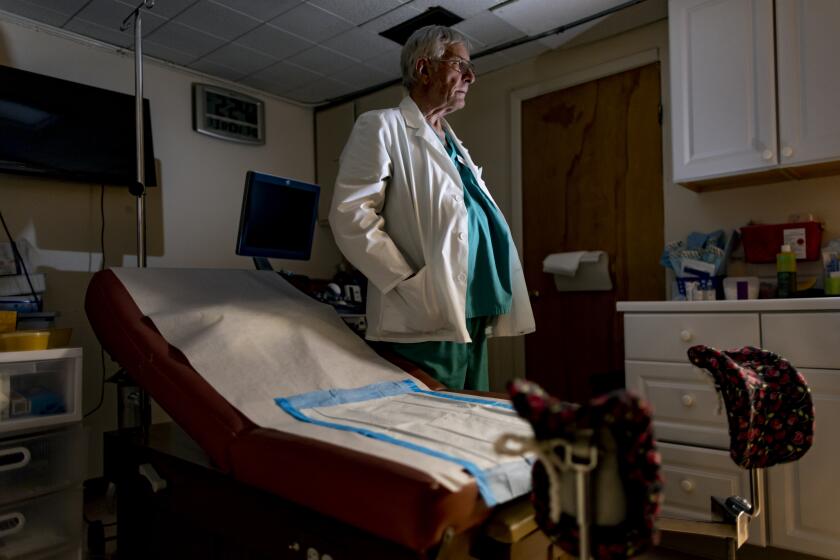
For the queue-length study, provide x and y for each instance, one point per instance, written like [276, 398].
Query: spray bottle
[786, 272]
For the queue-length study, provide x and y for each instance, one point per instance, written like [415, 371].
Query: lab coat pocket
[411, 307]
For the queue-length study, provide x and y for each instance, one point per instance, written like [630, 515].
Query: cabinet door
[804, 496]
[722, 87]
[332, 129]
[807, 44]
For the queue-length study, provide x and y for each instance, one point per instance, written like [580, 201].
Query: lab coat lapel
[417, 124]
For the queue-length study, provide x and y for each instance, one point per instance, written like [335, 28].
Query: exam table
[252, 492]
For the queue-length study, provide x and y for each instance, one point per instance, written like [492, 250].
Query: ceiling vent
[433, 16]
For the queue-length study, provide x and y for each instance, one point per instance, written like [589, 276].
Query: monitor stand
[262, 263]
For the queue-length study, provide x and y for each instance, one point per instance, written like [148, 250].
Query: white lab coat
[398, 215]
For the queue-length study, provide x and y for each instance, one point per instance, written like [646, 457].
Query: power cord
[101, 267]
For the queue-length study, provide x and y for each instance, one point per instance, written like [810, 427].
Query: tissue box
[762, 242]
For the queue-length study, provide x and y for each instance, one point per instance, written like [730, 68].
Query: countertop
[726, 306]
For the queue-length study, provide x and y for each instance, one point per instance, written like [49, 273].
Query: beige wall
[192, 216]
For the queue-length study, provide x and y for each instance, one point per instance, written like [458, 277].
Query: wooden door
[592, 180]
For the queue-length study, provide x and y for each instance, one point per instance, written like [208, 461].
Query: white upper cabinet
[732, 61]
[722, 87]
[807, 48]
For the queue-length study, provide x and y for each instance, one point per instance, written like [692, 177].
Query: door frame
[517, 96]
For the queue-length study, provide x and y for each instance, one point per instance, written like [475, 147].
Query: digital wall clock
[228, 115]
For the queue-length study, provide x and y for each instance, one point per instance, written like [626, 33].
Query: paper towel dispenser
[579, 271]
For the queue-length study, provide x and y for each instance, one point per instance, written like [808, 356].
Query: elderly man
[411, 212]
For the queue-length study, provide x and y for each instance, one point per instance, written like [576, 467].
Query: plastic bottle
[786, 272]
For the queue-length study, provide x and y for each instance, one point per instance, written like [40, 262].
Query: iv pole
[126, 388]
[138, 189]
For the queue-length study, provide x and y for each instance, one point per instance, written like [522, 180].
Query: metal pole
[138, 126]
[582, 498]
[139, 188]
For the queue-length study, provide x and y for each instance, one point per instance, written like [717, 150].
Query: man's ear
[422, 70]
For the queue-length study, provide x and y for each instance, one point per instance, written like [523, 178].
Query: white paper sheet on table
[245, 332]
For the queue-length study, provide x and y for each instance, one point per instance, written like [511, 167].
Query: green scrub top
[464, 365]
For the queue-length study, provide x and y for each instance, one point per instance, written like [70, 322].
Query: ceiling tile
[489, 63]
[559, 39]
[392, 18]
[388, 62]
[245, 60]
[110, 15]
[357, 11]
[462, 8]
[363, 76]
[217, 20]
[217, 70]
[489, 30]
[105, 34]
[283, 76]
[525, 51]
[163, 52]
[274, 42]
[67, 7]
[311, 22]
[263, 10]
[34, 12]
[319, 91]
[164, 8]
[360, 44]
[326, 61]
[535, 16]
[185, 39]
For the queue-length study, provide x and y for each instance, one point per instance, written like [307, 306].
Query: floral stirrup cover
[768, 404]
[626, 485]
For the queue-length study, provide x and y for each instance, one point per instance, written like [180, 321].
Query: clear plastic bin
[39, 388]
[42, 526]
[39, 464]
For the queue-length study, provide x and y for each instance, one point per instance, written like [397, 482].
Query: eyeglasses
[462, 65]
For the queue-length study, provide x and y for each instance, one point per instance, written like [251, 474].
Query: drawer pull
[11, 523]
[14, 458]
[687, 485]
[687, 400]
[686, 335]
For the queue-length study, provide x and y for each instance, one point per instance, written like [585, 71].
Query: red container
[762, 242]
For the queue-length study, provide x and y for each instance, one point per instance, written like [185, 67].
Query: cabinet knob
[686, 336]
[687, 485]
[787, 151]
[687, 400]
[767, 155]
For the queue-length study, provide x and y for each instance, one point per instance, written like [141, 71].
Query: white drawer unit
[808, 340]
[803, 499]
[686, 407]
[43, 527]
[667, 337]
[38, 464]
[40, 388]
[694, 474]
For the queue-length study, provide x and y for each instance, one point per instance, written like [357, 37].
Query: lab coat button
[458, 198]
[462, 236]
[462, 277]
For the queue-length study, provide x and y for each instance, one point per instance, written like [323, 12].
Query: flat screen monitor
[278, 217]
[62, 129]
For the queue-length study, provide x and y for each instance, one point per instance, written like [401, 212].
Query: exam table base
[204, 513]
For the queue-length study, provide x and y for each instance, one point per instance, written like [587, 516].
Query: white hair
[429, 42]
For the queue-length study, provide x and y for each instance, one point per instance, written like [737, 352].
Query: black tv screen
[62, 129]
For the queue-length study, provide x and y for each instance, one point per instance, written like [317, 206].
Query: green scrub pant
[457, 365]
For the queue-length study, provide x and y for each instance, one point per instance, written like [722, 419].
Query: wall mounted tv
[62, 129]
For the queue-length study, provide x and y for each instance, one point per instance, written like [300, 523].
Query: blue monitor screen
[278, 217]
